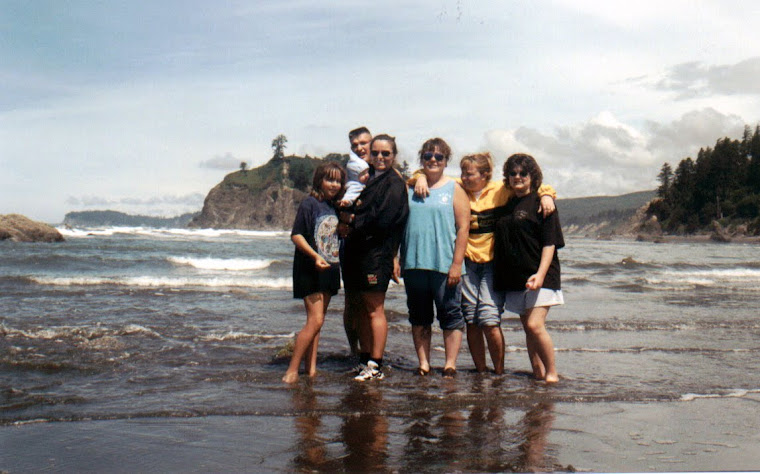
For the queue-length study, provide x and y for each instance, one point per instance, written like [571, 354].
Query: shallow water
[117, 324]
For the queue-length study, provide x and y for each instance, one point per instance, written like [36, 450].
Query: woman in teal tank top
[432, 253]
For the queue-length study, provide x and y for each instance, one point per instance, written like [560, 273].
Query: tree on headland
[722, 184]
[278, 145]
[404, 169]
[243, 166]
[665, 177]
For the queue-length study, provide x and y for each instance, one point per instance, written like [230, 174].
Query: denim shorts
[426, 289]
[520, 301]
[481, 304]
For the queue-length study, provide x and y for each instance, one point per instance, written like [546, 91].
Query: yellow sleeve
[413, 180]
[547, 190]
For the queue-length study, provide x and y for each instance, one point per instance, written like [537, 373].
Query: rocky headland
[263, 198]
[18, 228]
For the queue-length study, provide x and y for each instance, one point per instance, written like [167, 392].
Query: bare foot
[313, 373]
[551, 378]
[290, 377]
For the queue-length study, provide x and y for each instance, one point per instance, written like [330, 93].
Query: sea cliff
[236, 206]
[263, 198]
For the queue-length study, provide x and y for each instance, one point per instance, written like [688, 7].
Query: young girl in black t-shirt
[316, 271]
[526, 265]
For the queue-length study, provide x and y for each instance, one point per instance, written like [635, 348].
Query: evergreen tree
[753, 167]
[665, 177]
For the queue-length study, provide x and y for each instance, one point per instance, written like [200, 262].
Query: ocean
[163, 349]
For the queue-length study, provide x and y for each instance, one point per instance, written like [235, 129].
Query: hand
[547, 206]
[535, 282]
[321, 263]
[346, 217]
[344, 203]
[396, 275]
[421, 187]
[455, 275]
[344, 230]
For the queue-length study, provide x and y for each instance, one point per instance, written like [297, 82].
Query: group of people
[467, 249]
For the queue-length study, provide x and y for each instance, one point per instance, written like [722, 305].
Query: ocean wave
[79, 332]
[735, 393]
[164, 282]
[155, 232]
[728, 273]
[241, 336]
[237, 264]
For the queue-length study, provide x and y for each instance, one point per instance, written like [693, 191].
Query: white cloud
[606, 156]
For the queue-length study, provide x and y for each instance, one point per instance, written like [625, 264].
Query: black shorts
[367, 274]
[312, 281]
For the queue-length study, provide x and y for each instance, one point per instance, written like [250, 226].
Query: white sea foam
[239, 335]
[137, 329]
[154, 232]
[238, 264]
[735, 393]
[171, 282]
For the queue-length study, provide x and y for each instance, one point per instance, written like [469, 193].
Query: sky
[142, 106]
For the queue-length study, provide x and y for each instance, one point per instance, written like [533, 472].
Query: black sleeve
[551, 231]
[303, 223]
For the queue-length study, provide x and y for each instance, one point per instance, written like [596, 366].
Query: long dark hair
[328, 169]
[527, 163]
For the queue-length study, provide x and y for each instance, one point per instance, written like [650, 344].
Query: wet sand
[718, 434]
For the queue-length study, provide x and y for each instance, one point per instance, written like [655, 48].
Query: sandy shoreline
[699, 435]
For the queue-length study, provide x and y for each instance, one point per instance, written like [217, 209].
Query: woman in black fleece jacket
[373, 234]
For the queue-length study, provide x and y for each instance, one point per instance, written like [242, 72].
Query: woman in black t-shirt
[526, 266]
[316, 270]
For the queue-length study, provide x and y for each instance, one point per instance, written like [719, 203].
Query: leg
[419, 301]
[471, 288]
[477, 347]
[452, 341]
[310, 360]
[351, 317]
[316, 306]
[448, 303]
[495, 340]
[374, 303]
[534, 323]
[422, 335]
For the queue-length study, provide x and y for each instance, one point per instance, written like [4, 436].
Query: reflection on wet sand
[311, 452]
[488, 433]
[364, 431]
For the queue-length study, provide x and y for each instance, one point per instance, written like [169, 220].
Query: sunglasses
[377, 153]
[522, 174]
[429, 156]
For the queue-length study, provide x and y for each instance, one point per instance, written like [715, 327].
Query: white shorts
[519, 301]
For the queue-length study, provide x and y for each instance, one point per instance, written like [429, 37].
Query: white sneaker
[371, 372]
[357, 369]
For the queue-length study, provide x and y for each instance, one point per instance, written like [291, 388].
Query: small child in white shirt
[357, 174]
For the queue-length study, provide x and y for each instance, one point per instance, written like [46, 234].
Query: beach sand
[718, 434]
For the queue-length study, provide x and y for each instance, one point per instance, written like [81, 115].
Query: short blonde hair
[482, 162]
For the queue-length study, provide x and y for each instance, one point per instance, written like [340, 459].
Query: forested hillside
[722, 184]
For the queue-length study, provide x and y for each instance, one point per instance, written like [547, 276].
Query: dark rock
[19, 228]
[719, 234]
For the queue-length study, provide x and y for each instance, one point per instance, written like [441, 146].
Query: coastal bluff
[263, 198]
[235, 206]
[18, 228]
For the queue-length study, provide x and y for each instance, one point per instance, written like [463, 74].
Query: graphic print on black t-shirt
[328, 245]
